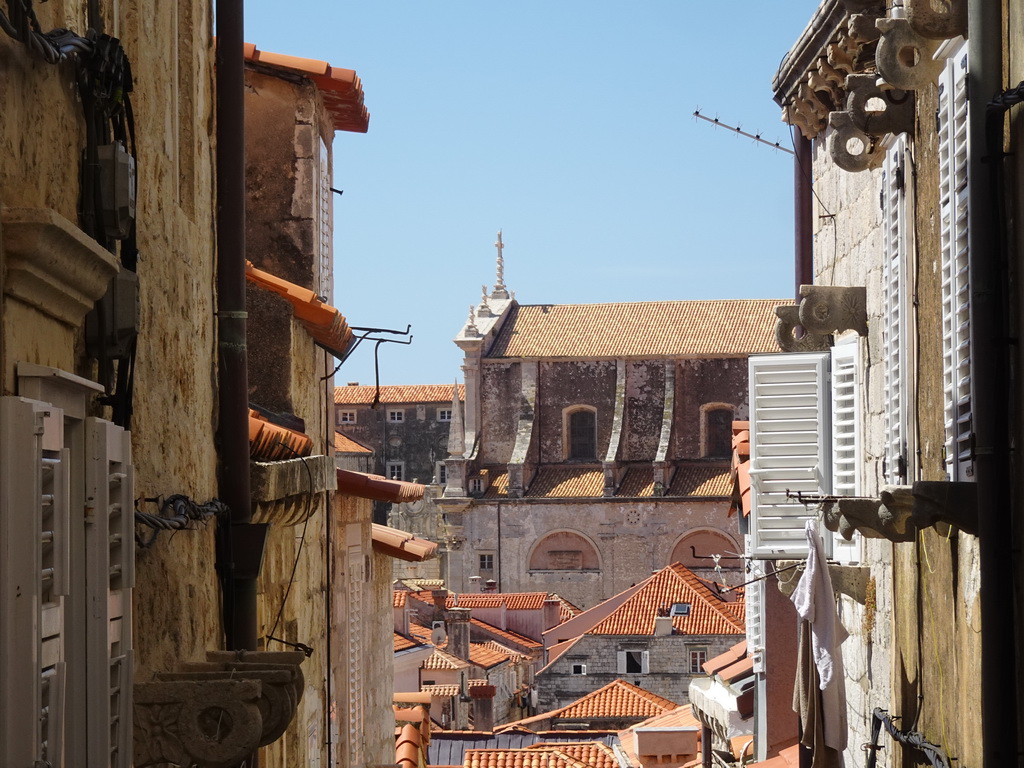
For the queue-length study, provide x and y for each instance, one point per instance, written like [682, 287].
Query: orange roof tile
[788, 757]
[401, 545]
[416, 393]
[682, 717]
[740, 468]
[441, 691]
[341, 89]
[441, 660]
[378, 488]
[552, 757]
[513, 601]
[398, 598]
[507, 635]
[345, 444]
[701, 480]
[402, 643]
[568, 482]
[591, 753]
[271, 442]
[639, 329]
[673, 584]
[638, 482]
[722, 660]
[618, 700]
[408, 746]
[491, 654]
[497, 488]
[325, 324]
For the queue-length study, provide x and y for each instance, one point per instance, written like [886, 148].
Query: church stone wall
[499, 410]
[566, 384]
[698, 382]
[645, 405]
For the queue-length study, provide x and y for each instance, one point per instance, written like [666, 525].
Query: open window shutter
[789, 439]
[109, 578]
[645, 662]
[895, 312]
[956, 296]
[754, 596]
[621, 663]
[846, 448]
[33, 582]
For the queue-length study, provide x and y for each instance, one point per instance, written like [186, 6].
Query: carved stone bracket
[786, 333]
[213, 723]
[215, 713]
[852, 149]
[904, 58]
[827, 309]
[937, 21]
[878, 111]
[900, 511]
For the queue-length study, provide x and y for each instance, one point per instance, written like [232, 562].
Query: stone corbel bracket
[787, 335]
[878, 111]
[904, 58]
[852, 148]
[211, 723]
[900, 511]
[827, 309]
[849, 580]
[937, 21]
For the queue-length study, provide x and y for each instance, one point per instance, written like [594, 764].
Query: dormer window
[581, 434]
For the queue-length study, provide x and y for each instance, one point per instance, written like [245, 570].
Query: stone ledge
[849, 580]
[281, 489]
[52, 265]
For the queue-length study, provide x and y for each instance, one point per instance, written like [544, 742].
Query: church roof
[356, 394]
[707, 328]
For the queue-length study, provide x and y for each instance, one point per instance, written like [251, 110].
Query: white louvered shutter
[754, 597]
[895, 322]
[109, 578]
[846, 443]
[33, 582]
[789, 449]
[956, 296]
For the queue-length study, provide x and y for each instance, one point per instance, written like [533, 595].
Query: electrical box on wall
[117, 189]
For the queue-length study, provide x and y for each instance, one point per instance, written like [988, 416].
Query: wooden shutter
[846, 441]
[754, 596]
[956, 296]
[895, 321]
[109, 578]
[620, 663]
[34, 578]
[789, 439]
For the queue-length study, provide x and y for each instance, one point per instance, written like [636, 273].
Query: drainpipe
[992, 393]
[803, 212]
[239, 550]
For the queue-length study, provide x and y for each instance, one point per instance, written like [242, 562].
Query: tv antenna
[736, 129]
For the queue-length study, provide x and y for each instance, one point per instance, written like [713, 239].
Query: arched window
[581, 441]
[717, 428]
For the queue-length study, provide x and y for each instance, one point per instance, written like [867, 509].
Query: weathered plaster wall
[668, 674]
[719, 380]
[566, 384]
[499, 410]
[632, 539]
[645, 402]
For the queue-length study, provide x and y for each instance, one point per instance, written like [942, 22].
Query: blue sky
[569, 126]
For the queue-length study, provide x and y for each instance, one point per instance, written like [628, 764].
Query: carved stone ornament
[788, 336]
[937, 20]
[851, 148]
[876, 111]
[214, 714]
[213, 724]
[904, 58]
[827, 309]
[900, 511]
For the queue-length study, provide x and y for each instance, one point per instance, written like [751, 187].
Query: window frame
[345, 416]
[389, 468]
[395, 415]
[569, 415]
[637, 656]
[480, 562]
[706, 410]
[698, 655]
[441, 414]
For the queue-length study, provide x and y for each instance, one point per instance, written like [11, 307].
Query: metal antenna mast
[755, 136]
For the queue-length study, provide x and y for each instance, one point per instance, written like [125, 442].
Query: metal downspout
[803, 210]
[238, 563]
[991, 397]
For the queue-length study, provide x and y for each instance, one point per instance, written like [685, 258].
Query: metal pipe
[233, 389]
[803, 231]
[992, 392]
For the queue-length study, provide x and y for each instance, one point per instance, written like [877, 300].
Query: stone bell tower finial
[500, 291]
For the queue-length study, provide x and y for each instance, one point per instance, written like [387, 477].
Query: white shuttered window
[956, 306]
[790, 438]
[846, 443]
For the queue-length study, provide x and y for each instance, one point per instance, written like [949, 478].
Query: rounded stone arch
[564, 550]
[579, 432]
[716, 430]
[705, 541]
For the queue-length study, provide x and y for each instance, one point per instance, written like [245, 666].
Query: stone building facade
[594, 444]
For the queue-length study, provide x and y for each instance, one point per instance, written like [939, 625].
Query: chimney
[483, 706]
[457, 623]
[552, 614]
[662, 626]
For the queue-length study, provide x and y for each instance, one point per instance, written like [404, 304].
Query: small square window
[444, 414]
[680, 609]
[476, 485]
[396, 416]
[441, 473]
[346, 417]
[579, 669]
[486, 562]
[697, 658]
[396, 470]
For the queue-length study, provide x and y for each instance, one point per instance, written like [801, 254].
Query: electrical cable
[177, 513]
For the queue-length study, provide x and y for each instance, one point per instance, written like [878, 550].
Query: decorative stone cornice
[52, 265]
[822, 312]
[282, 491]
[900, 511]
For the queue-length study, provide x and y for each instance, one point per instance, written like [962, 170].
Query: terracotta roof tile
[417, 393]
[507, 635]
[398, 598]
[325, 324]
[441, 691]
[639, 329]
[441, 660]
[552, 757]
[402, 643]
[701, 480]
[341, 89]
[401, 545]
[740, 468]
[378, 488]
[673, 584]
[497, 488]
[682, 717]
[491, 654]
[591, 753]
[722, 660]
[638, 482]
[513, 601]
[618, 700]
[345, 444]
[566, 482]
[271, 442]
